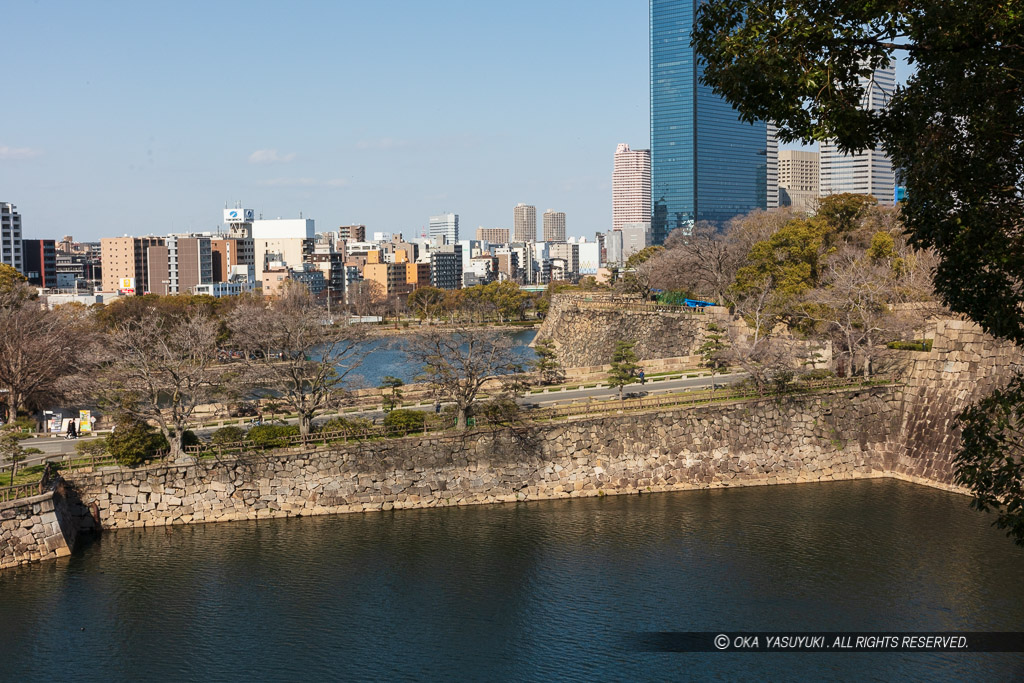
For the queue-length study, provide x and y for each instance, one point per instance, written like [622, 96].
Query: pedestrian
[72, 430]
[437, 407]
[643, 380]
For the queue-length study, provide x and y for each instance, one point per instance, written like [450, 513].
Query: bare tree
[37, 349]
[765, 358]
[457, 364]
[291, 353]
[703, 262]
[159, 369]
[863, 303]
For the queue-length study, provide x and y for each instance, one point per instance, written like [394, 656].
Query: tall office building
[127, 258]
[524, 223]
[180, 264]
[631, 186]
[447, 226]
[772, 167]
[40, 262]
[554, 226]
[706, 164]
[868, 172]
[10, 237]
[798, 180]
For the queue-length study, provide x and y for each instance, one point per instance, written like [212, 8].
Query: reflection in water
[541, 590]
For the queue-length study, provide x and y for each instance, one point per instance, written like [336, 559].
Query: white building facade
[868, 172]
[10, 237]
[631, 186]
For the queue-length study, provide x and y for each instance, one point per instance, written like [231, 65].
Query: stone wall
[42, 527]
[964, 365]
[795, 439]
[585, 328]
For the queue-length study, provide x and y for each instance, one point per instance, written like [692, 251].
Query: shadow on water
[543, 590]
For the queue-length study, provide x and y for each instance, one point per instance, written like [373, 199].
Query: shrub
[93, 447]
[916, 345]
[271, 436]
[31, 451]
[23, 422]
[228, 435]
[405, 421]
[133, 442]
[353, 425]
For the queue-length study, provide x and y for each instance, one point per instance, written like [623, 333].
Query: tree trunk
[305, 423]
[460, 418]
[175, 443]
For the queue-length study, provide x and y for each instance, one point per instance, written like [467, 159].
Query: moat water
[530, 591]
[388, 358]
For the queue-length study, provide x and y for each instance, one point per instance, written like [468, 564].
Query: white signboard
[127, 285]
[239, 215]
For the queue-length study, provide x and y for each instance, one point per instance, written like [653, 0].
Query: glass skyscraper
[706, 164]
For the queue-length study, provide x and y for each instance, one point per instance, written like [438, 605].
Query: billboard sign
[84, 421]
[127, 285]
[239, 215]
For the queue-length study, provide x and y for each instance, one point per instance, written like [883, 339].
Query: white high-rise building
[10, 237]
[798, 180]
[631, 186]
[772, 154]
[554, 226]
[445, 226]
[868, 172]
[524, 223]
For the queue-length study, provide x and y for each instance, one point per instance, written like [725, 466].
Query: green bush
[355, 425]
[916, 345]
[23, 422]
[271, 436]
[31, 451]
[92, 447]
[228, 435]
[405, 421]
[134, 442]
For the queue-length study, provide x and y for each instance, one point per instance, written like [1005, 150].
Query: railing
[698, 397]
[20, 491]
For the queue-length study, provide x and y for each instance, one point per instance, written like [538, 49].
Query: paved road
[55, 447]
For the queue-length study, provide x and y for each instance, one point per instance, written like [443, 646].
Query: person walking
[643, 380]
[72, 430]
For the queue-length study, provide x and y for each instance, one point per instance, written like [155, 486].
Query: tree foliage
[955, 131]
[624, 366]
[10, 449]
[547, 366]
[133, 441]
[991, 462]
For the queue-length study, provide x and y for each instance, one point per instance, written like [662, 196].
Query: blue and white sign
[239, 215]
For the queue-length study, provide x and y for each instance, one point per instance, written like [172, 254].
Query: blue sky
[137, 117]
[140, 117]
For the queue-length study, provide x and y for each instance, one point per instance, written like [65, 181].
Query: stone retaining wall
[38, 528]
[796, 439]
[964, 365]
[903, 431]
[585, 332]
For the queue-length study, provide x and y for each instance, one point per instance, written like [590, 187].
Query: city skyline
[128, 137]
